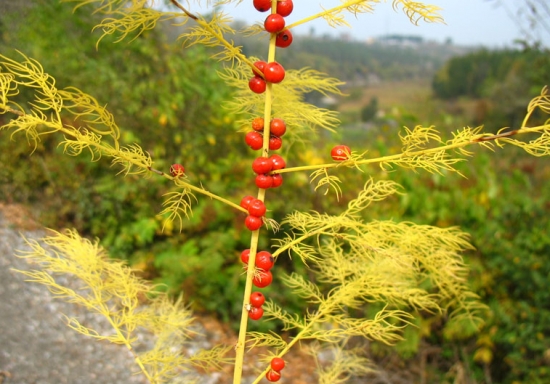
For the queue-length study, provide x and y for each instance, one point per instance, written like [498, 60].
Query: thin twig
[189, 14]
[14, 111]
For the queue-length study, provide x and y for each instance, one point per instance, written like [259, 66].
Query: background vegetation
[160, 94]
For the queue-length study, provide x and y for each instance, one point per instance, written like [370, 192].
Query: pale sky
[468, 22]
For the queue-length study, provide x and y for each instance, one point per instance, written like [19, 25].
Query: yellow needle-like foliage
[288, 101]
[401, 267]
[84, 125]
[96, 132]
[127, 17]
[211, 33]
[344, 363]
[417, 11]
[110, 288]
[336, 16]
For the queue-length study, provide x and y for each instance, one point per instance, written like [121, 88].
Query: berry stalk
[240, 347]
[181, 183]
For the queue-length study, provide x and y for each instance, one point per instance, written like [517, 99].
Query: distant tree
[473, 74]
[368, 113]
[503, 81]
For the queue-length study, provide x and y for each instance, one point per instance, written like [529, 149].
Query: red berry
[256, 208]
[253, 222]
[262, 5]
[273, 376]
[277, 364]
[285, 7]
[275, 143]
[257, 84]
[254, 140]
[262, 165]
[340, 152]
[258, 124]
[256, 313]
[245, 256]
[277, 127]
[262, 279]
[260, 65]
[277, 180]
[245, 201]
[274, 72]
[264, 260]
[264, 181]
[277, 162]
[257, 299]
[284, 39]
[177, 170]
[274, 23]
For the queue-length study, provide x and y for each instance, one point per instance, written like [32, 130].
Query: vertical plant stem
[105, 312]
[241, 343]
[240, 347]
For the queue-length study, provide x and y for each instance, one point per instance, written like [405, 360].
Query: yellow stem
[240, 347]
[302, 238]
[210, 194]
[11, 110]
[241, 343]
[106, 313]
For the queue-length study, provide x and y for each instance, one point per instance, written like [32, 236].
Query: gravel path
[36, 347]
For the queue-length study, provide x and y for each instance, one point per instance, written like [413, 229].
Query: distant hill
[356, 62]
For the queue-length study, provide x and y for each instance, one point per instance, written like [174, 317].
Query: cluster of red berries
[256, 210]
[277, 365]
[262, 278]
[272, 72]
[263, 165]
[275, 23]
[277, 128]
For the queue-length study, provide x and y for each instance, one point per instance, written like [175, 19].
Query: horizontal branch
[478, 139]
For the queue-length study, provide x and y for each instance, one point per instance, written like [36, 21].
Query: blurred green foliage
[169, 101]
[505, 80]
[163, 98]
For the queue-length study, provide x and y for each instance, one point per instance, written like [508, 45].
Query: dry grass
[403, 94]
[412, 98]
[19, 216]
